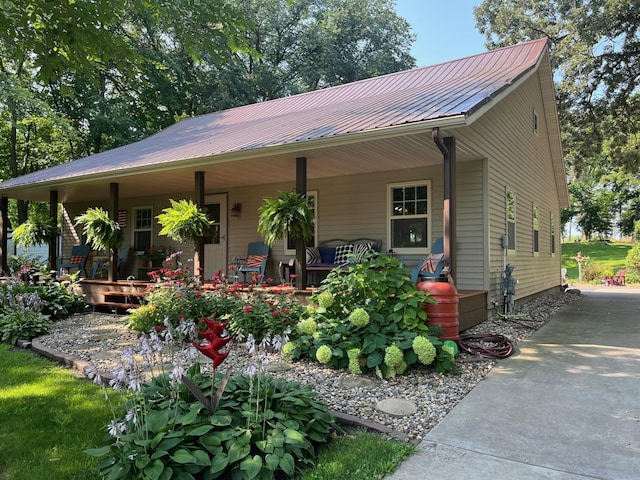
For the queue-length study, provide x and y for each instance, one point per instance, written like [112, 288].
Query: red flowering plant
[217, 349]
[174, 294]
[265, 313]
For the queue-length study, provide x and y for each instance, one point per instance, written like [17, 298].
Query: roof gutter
[448, 203]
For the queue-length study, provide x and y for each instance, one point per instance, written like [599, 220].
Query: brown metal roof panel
[447, 89]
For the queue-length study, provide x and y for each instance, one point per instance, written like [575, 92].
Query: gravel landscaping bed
[100, 339]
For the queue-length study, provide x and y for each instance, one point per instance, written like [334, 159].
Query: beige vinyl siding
[471, 227]
[518, 160]
[349, 207]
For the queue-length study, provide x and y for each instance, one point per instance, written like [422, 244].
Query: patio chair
[431, 266]
[256, 261]
[103, 265]
[619, 278]
[79, 255]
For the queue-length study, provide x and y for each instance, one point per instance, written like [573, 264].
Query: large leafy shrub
[59, 298]
[171, 302]
[175, 295]
[633, 259]
[27, 306]
[261, 314]
[260, 428]
[593, 272]
[369, 317]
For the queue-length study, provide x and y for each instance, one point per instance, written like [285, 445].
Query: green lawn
[611, 255]
[47, 418]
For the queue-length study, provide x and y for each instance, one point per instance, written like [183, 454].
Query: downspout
[446, 155]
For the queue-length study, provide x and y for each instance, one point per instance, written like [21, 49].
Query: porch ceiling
[253, 168]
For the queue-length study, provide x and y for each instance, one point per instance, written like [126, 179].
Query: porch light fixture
[236, 209]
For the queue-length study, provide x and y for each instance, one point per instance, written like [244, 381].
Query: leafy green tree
[77, 71]
[595, 55]
[354, 40]
[309, 44]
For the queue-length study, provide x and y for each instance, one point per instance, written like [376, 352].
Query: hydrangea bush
[369, 318]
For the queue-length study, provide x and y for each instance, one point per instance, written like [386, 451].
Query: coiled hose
[487, 345]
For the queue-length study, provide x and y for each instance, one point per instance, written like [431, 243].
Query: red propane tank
[444, 313]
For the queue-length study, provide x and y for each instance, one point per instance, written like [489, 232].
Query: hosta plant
[190, 424]
[262, 427]
[21, 316]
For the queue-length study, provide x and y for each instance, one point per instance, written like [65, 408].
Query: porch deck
[472, 308]
[122, 295]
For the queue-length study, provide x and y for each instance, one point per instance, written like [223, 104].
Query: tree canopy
[595, 49]
[78, 77]
[596, 57]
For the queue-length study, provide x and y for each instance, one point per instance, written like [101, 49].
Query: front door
[215, 245]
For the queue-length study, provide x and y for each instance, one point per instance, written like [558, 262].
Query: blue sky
[445, 29]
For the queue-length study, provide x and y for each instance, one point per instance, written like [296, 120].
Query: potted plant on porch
[36, 231]
[103, 233]
[184, 222]
[290, 213]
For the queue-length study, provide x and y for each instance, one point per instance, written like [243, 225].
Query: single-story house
[468, 150]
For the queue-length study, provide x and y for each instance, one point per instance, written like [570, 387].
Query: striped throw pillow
[360, 250]
[255, 260]
[313, 255]
[430, 264]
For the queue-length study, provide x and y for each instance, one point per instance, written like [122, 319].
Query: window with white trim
[553, 234]
[409, 217]
[536, 230]
[511, 219]
[142, 229]
[290, 243]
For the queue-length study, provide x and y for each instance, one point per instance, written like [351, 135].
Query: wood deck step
[117, 293]
[128, 298]
[117, 306]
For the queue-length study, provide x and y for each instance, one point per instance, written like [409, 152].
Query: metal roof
[444, 94]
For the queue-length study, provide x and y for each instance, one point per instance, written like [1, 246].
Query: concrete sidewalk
[565, 406]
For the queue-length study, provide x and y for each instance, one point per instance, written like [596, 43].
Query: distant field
[607, 254]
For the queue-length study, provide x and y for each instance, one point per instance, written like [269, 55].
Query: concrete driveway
[566, 406]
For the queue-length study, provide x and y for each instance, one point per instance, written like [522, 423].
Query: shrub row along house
[468, 151]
